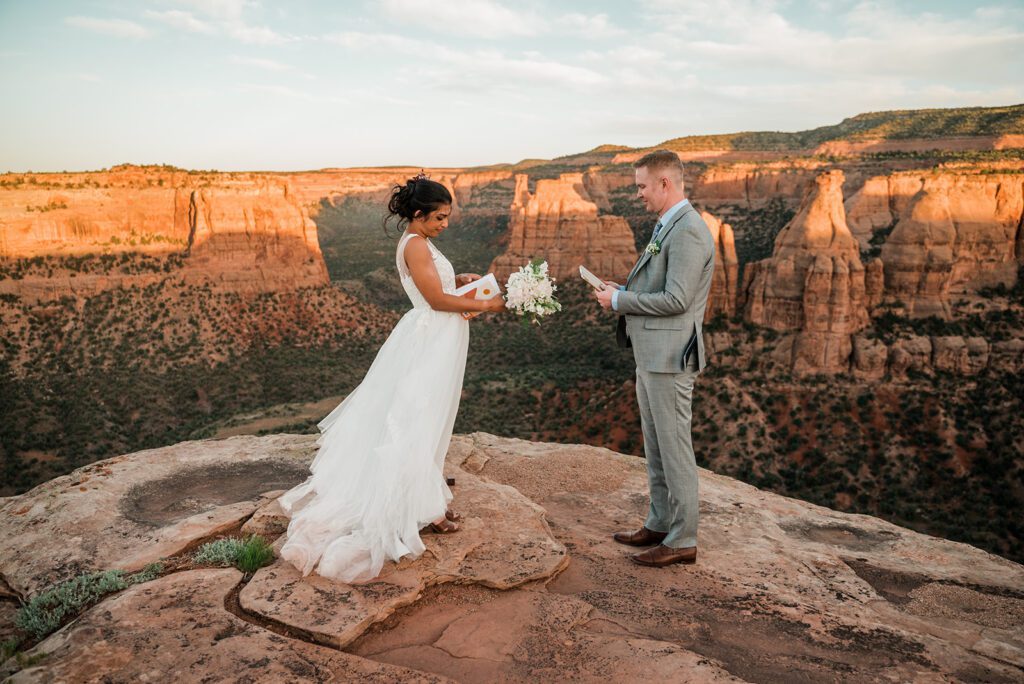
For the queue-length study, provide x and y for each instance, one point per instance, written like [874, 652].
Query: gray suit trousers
[665, 401]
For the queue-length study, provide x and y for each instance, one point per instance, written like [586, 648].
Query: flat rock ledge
[532, 588]
[130, 510]
[504, 542]
[176, 629]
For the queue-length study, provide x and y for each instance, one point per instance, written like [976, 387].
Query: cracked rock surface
[176, 629]
[130, 510]
[532, 589]
[503, 542]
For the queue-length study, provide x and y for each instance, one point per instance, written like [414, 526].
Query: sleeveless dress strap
[403, 268]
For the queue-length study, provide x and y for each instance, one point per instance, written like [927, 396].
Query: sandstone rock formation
[722, 297]
[879, 203]
[869, 359]
[958, 234]
[560, 224]
[238, 232]
[753, 185]
[814, 280]
[599, 183]
[782, 589]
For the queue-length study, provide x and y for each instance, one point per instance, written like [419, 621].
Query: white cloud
[479, 18]
[477, 70]
[283, 92]
[225, 17]
[181, 20]
[121, 28]
[268, 64]
[590, 26]
[868, 38]
[225, 10]
[258, 35]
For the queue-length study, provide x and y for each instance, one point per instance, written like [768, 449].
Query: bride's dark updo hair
[419, 194]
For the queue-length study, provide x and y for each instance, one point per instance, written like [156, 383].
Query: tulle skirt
[378, 476]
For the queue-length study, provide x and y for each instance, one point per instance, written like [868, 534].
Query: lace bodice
[445, 272]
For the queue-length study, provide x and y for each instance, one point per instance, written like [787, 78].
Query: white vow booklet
[591, 279]
[485, 288]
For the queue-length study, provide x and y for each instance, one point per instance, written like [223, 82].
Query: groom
[663, 304]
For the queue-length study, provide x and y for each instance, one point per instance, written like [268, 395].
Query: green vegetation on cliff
[891, 125]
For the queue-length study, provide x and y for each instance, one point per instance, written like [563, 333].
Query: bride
[378, 476]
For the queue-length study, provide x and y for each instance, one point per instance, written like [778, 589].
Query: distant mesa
[959, 129]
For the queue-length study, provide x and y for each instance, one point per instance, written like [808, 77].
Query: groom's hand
[604, 296]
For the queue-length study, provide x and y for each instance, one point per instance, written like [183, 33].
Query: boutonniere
[654, 248]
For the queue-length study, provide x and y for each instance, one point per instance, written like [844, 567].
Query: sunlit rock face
[959, 233]
[559, 223]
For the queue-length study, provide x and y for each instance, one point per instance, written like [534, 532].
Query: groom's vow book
[591, 279]
[485, 288]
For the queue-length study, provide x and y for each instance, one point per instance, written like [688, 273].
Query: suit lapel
[646, 256]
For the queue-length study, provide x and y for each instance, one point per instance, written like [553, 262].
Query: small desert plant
[46, 611]
[8, 648]
[254, 554]
[248, 555]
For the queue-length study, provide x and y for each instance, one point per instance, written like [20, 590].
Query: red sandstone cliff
[722, 297]
[235, 231]
[560, 223]
[959, 233]
[814, 282]
[752, 185]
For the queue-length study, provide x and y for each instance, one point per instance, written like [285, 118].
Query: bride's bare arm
[424, 274]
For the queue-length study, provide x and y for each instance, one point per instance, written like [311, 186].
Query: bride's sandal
[452, 515]
[444, 527]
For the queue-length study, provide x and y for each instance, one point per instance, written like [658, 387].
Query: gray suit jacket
[665, 297]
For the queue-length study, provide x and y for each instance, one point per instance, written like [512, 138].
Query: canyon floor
[531, 589]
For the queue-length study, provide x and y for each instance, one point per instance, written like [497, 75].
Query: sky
[262, 85]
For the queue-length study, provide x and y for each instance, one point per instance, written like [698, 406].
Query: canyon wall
[958, 234]
[753, 185]
[559, 223]
[723, 296]
[814, 282]
[235, 231]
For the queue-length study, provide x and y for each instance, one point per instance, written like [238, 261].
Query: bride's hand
[466, 278]
[492, 305]
[495, 304]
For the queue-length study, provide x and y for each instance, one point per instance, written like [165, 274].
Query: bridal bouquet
[531, 292]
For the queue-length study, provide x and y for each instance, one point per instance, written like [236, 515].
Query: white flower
[530, 291]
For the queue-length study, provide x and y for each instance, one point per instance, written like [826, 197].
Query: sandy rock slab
[783, 590]
[530, 636]
[176, 629]
[130, 510]
[504, 542]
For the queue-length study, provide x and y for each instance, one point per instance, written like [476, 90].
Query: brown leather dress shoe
[642, 537]
[662, 555]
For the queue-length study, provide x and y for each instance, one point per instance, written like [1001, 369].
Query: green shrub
[248, 555]
[254, 554]
[46, 611]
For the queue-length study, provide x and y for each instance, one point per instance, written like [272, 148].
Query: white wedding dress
[378, 475]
